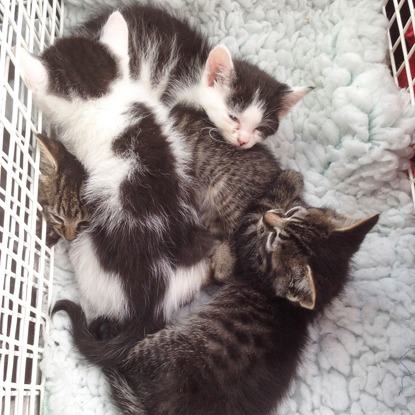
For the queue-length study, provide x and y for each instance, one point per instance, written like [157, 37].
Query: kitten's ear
[299, 286]
[219, 65]
[50, 154]
[352, 231]
[32, 69]
[115, 34]
[295, 95]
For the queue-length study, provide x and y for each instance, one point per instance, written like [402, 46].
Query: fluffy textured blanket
[351, 138]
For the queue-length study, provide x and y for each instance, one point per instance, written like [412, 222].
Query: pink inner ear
[219, 65]
[293, 97]
[115, 34]
[33, 72]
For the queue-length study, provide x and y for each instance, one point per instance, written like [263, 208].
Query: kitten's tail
[104, 353]
[108, 354]
[123, 393]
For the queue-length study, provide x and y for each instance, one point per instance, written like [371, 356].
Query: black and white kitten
[238, 354]
[144, 254]
[178, 64]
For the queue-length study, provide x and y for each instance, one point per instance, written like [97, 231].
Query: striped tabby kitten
[238, 354]
[60, 191]
[230, 181]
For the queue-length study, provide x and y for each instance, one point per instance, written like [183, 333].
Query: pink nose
[243, 138]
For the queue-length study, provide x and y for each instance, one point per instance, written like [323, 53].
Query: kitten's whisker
[210, 131]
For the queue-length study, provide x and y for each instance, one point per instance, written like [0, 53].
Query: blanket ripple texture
[351, 138]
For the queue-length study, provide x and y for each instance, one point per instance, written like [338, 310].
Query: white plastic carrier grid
[401, 42]
[26, 263]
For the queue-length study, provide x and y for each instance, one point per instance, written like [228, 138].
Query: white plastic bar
[26, 263]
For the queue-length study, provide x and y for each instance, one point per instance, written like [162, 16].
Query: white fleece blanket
[351, 139]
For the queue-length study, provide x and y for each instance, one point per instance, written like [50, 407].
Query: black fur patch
[155, 222]
[79, 67]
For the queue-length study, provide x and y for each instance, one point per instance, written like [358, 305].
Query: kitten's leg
[103, 328]
[222, 262]
[288, 186]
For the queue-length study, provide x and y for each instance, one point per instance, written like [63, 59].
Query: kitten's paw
[222, 262]
[293, 181]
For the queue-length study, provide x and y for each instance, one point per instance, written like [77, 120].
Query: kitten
[60, 191]
[178, 64]
[229, 181]
[238, 354]
[144, 253]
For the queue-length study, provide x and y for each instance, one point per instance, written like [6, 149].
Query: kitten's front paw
[293, 180]
[222, 262]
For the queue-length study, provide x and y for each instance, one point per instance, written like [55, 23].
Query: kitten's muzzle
[272, 219]
[69, 233]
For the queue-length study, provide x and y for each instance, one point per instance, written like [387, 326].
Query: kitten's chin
[247, 145]
[232, 139]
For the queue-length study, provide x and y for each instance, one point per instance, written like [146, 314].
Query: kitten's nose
[243, 137]
[69, 233]
[272, 219]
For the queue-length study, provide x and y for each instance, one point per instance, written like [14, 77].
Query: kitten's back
[230, 180]
[166, 50]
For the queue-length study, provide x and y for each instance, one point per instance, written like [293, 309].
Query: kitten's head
[244, 102]
[306, 252]
[75, 69]
[60, 189]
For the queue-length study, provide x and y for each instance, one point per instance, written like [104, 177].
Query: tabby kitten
[60, 191]
[238, 354]
[229, 181]
[144, 253]
[177, 63]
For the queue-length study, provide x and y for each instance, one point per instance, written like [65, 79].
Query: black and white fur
[144, 254]
[177, 62]
[100, 87]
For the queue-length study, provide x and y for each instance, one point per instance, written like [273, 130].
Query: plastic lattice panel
[401, 40]
[25, 261]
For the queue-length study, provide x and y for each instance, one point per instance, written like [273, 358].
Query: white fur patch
[103, 291]
[249, 120]
[212, 100]
[183, 285]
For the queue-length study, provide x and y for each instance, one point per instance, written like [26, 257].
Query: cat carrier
[26, 263]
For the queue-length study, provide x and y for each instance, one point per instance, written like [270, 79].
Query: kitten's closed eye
[272, 241]
[265, 131]
[294, 210]
[55, 218]
[82, 226]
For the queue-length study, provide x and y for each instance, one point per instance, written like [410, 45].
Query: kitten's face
[244, 126]
[67, 226]
[306, 251]
[244, 102]
[63, 206]
[61, 189]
